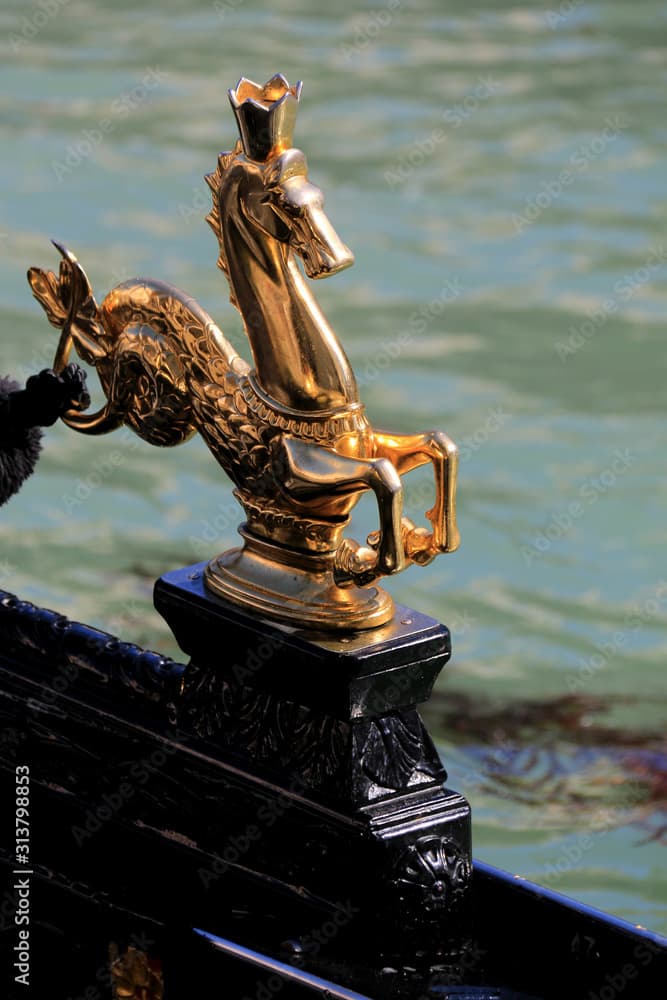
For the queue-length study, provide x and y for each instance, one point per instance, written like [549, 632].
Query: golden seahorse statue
[290, 432]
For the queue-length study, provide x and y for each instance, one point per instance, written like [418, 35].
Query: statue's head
[276, 193]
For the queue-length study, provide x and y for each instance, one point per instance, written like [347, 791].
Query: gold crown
[265, 115]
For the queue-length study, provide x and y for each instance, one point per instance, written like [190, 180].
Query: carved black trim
[50, 640]
[267, 729]
[395, 752]
[432, 876]
[357, 760]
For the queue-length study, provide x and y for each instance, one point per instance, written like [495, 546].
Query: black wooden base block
[358, 675]
[332, 723]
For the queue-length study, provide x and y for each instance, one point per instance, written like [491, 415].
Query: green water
[532, 302]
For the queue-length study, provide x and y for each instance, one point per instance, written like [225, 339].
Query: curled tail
[150, 343]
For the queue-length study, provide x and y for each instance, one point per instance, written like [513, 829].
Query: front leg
[307, 471]
[408, 451]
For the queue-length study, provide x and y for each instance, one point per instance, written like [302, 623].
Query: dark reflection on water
[559, 750]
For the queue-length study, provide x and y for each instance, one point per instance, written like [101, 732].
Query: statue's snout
[325, 253]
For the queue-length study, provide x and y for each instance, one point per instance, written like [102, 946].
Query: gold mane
[214, 180]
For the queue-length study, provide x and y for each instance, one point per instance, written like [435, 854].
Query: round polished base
[296, 588]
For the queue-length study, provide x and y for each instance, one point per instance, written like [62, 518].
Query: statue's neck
[299, 361]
